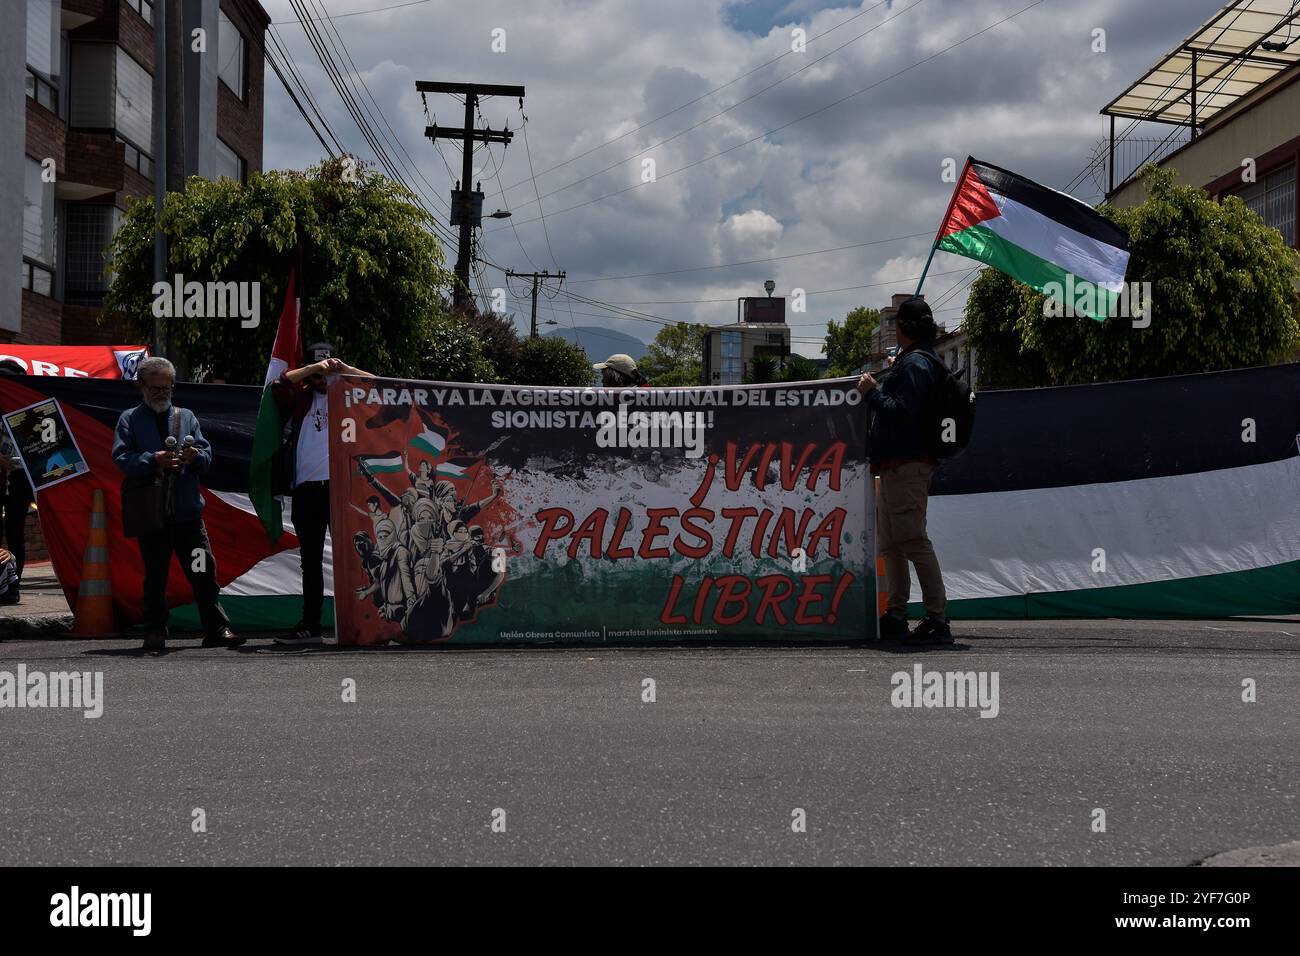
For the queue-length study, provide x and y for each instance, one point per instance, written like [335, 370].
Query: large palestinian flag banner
[1167, 497]
[498, 514]
[259, 582]
[1048, 240]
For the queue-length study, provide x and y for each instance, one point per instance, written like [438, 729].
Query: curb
[35, 626]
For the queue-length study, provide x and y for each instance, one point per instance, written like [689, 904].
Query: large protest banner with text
[483, 514]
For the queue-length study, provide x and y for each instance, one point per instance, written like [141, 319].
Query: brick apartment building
[76, 91]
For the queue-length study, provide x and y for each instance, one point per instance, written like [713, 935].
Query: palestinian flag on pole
[1048, 240]
[432, 440]
[285, 354]
[457, 467]
[387, 463]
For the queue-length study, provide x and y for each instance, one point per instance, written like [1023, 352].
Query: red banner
[76, 361]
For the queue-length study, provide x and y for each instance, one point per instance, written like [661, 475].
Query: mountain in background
[600, 343]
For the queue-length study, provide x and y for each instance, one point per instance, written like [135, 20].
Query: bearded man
[139, 448]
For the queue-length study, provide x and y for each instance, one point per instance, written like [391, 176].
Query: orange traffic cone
[94, 612]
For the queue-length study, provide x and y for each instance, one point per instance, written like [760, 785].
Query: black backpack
[951, 414]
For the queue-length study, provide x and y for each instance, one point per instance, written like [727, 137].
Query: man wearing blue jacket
[139, 449]
[901, 448]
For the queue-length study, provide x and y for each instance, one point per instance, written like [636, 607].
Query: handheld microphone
[189, 441]
[170, 444]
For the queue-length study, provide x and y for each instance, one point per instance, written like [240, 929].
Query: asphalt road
[1143, 720]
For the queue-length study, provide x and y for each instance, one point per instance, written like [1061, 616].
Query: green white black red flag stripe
[1048, 240]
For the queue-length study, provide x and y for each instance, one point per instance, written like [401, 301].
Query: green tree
[1223, 291]
[676, 356]
[800, 368]
[762, 370]
[453, 352]
[373, 269]
[550, 360]
[848, 345]
[500, 340]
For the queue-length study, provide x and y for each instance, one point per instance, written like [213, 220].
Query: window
[38, 230]
[136, 158]
[134, 100]
[232, 53]
[38, 215]
[1273, 199]
[229, 163]
[90, 86]
[110, 92]
[89, 228]
[732, 354]
[43, 53]
[142, 7]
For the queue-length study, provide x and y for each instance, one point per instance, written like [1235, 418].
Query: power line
[355, 108]
[750, 262]
[410, 163]
[702, 96]
[799, 119]
[851, 288]
[361, 13]
[723, 112]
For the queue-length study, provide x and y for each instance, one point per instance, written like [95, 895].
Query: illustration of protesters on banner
[369, 555]
[431, 616]
[396, 584]
[372, 510]
[428, 569]
[422, 479]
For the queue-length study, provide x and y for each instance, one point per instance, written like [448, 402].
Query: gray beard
[158, 406]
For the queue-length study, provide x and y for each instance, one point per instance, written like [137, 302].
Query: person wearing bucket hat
[620, 371]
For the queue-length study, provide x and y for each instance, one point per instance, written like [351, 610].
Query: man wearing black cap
[301, 394]
[901, 451]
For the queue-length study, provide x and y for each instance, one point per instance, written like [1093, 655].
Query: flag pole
[926, 270]
[946, 216]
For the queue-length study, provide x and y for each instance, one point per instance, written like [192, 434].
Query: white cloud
[1025, 95]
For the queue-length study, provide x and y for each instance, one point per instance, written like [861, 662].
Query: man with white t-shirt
[301, 395]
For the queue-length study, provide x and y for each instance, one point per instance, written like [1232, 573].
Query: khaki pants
[901, 537]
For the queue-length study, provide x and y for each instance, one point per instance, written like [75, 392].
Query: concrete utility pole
[537, 277]
[158, 341]
[467, 206]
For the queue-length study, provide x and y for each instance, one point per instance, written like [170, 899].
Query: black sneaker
[300, 638]
[932, 630]
[893, 627]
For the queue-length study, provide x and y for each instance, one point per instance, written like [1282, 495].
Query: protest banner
[483, 514]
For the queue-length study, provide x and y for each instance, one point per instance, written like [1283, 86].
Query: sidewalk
[43, 611]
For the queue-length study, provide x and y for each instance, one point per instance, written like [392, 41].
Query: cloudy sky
[746, 167]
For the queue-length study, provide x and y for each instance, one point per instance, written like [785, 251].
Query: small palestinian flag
[457, 467]
[381, 464]
[431, 441]
[1048, 240]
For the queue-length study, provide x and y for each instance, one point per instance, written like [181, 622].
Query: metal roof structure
[1235, 52]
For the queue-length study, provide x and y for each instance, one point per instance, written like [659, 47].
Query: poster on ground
[494, 514]
[45, 443]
